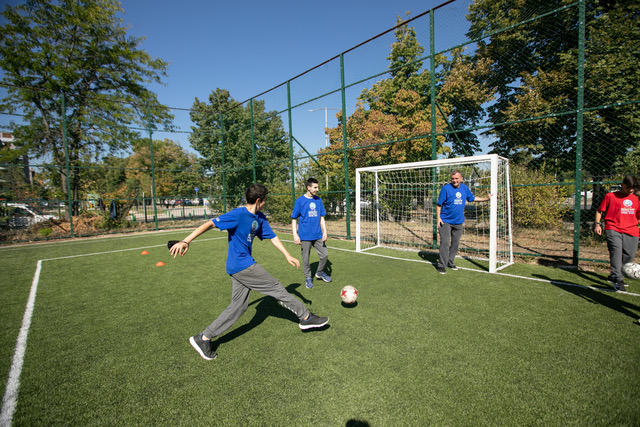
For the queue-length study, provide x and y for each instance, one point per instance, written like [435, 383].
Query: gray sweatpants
[450, 235]
[323, 254]
[622, 249]
[257, 279]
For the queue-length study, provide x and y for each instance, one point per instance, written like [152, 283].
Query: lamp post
[326, 134]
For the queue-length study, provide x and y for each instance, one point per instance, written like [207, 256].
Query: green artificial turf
[108, 342]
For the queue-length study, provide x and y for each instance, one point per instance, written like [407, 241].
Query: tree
[76, 52]
[533, 69]
[224, 127]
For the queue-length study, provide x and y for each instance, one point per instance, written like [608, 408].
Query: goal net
[396, 207]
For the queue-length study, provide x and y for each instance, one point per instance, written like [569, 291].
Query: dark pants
[450, 235]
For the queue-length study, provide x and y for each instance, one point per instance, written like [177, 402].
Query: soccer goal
[396, 207]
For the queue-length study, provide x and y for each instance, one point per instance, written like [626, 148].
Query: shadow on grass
[433, 258]
[267, 307]
[594, 296]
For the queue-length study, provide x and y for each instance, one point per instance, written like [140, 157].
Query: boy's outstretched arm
[183, 246]
[291, 260]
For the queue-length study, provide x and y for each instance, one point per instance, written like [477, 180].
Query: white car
[22, 215]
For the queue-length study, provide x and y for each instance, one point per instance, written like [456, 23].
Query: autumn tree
[72, 61]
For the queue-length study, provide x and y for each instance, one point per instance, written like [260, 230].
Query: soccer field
[108, 331]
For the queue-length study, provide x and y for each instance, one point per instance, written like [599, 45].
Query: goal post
[396, 207]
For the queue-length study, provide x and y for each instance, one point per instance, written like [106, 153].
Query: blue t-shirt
[309, 211]
[242, 226]
[452, 201]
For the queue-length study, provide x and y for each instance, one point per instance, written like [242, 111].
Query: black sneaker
[619, 286]
[203, 347]
[453, 267]
[442, 270]
[313, 321]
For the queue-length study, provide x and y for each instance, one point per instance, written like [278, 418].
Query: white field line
[10, 398]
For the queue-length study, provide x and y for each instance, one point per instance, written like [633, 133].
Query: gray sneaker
[313, 321]
[453, 267]
[203, 347]
[619, 286]
[442, 270]
[322, 275]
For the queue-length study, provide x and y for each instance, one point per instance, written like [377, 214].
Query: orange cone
[160, 264]
[144, 253]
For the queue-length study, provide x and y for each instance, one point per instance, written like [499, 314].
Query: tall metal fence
[552, 86]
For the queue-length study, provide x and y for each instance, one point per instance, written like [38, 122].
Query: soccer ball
[349, 294]
[631, 270]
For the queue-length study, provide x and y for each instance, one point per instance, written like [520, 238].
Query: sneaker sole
[199, 350]
[323, 279]
[303, 327]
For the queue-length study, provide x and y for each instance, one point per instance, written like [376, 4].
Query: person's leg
[445, 242]
[258, 279]
[456, 234]
[629, 248]
[235, 309]
[614, 244]
[323, 254]
[305, 248]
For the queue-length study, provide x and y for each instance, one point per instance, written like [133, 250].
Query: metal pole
[66, 155]
[153, 171]
[345, 145]
[579, 132]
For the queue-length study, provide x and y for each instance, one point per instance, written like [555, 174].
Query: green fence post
[345, 145]
[579, 133]
[253, 143]
[66, 156]
[293, 179]
[224, 185]
[153, 173]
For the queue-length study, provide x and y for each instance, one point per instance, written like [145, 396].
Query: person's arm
[291, 260]
[597, 228]
[438, 210]
[483, 199]
[323, 225]
[183, 246]
[294, 230]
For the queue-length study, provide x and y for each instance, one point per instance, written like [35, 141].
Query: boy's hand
[293, 261]
[176, 247]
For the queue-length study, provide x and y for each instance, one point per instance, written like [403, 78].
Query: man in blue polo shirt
[450, 213]
[243, 225]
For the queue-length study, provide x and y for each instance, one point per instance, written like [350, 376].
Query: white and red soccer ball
[349, 294]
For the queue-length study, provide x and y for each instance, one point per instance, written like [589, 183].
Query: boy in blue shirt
[311, 231]
[242, 225]
[450, 213]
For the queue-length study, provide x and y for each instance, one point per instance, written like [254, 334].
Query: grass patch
[108, 342]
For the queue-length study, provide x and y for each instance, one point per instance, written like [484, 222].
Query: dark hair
[630, 181]
[255, 192]
[310, 181]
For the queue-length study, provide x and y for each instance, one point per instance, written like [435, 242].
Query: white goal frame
[500, 245]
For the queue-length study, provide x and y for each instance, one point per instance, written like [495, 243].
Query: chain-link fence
[550, 86]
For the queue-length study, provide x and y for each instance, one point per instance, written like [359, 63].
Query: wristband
[185, 242]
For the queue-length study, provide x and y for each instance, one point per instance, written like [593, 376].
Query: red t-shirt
[622, 212]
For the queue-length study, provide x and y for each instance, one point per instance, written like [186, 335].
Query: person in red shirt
[621, 211]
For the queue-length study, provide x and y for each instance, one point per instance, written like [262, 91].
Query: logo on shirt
[254, 229]
[458, 200]
[627, 208]
[312, 210]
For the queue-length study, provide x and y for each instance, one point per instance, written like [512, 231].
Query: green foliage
[536, 203]
[45, 232]
[230, 137]
[533, 71]
[279, 204]
[77, 53]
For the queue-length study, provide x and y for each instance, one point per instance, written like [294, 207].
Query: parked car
[21, 215]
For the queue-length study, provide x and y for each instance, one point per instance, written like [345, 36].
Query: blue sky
[251, 46]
